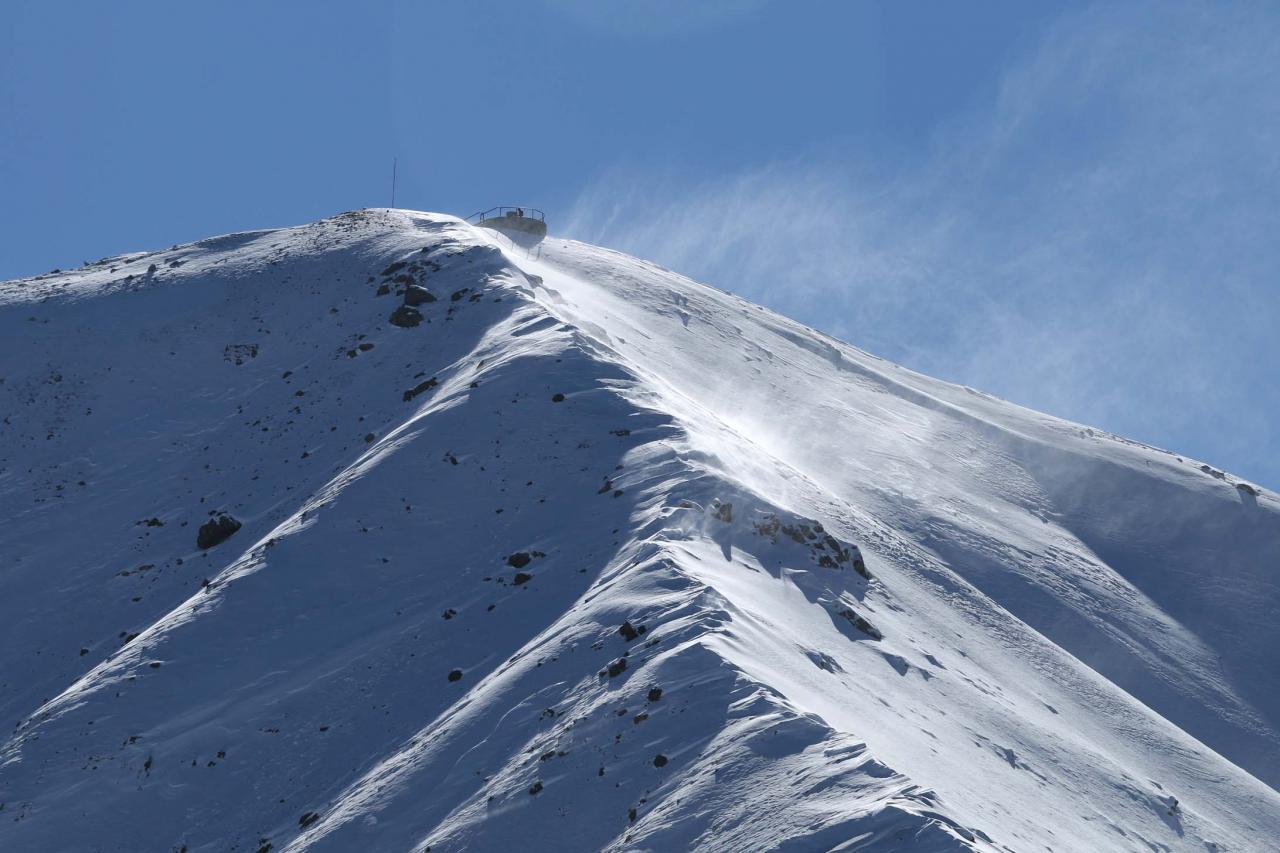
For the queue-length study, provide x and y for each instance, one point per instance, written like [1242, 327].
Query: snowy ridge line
[868, 530]
[660, 484]
[547, 272]
[1059, 461]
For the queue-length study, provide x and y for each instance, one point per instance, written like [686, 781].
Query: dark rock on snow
[425, 385]
[215, 531]
[405, 317]
[416, 294]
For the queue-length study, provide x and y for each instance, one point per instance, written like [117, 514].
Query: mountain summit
[382, 533]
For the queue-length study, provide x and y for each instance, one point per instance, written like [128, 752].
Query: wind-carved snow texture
[384, 534]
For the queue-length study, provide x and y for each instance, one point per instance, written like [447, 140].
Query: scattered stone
[537, 786]
[519, 560]
[238, 354]
[405, 317]
[393, 268]
[769, 527]
[629, 631]
[861, 624]
[425, 385]
[215, 531]
[521, 578]
[308, 819]
[455, 675]
[659, 760]
[861, 567]
[655, 693]
[723, 512]
[383, 290]
[416, 294]
[365, 347]
[1247, 489]
[617, 667]
[557, 398]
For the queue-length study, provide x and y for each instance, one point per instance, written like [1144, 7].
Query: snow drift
[382, 533]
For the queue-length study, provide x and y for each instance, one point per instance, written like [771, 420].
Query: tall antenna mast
[394, 163]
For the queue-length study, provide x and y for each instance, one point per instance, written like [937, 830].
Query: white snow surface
[864, 610]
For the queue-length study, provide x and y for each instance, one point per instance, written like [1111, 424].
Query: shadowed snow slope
[559, 550]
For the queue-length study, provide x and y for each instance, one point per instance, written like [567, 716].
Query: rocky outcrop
[216, 530]
[416, 294]
[405, 317]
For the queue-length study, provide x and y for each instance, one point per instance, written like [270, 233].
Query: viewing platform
[521, 220]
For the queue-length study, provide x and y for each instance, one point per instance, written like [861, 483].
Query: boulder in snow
[216, 531]
[416, 294]
[405, 317]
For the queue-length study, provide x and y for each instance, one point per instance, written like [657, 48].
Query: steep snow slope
[591, 557]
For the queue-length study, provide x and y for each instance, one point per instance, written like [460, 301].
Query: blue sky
[1073, 206]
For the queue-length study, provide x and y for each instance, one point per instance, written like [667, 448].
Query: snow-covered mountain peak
[386, 533]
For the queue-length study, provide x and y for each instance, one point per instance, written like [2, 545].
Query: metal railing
[507, 210]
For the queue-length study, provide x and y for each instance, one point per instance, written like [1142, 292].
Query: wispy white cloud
[1098, 242]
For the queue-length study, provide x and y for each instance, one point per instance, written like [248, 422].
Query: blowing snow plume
[574, 553]
[1067, 243]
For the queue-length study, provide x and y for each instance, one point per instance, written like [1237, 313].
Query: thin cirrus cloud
[1097, 241]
